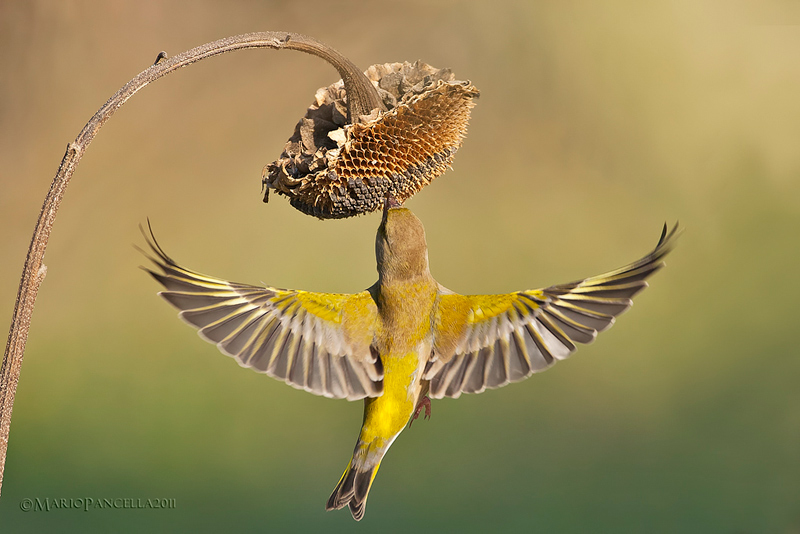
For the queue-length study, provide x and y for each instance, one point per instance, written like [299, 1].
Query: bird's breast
[405, 310]
[403, 342]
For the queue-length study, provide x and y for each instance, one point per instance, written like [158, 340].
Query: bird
[401, 342]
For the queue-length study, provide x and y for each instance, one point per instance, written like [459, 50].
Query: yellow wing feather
[488, 341]
[319, 342]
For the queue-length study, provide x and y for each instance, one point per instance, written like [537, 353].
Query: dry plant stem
[362, 97]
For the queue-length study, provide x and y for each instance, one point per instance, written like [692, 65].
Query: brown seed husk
[332, 169]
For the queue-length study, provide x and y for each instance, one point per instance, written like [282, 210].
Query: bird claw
[423, 402]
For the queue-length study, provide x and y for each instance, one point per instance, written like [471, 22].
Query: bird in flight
[404, 340]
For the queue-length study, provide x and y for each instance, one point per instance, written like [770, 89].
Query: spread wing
[319, 342]
[488, 341]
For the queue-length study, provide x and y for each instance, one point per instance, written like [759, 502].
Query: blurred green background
[597, 122]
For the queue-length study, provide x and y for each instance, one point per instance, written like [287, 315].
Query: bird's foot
[423, 402]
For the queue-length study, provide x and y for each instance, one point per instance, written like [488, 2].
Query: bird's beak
[391, 202]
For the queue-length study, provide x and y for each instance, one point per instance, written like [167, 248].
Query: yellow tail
[353, 488]
[384, 418]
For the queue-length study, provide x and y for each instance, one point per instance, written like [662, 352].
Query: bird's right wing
[488, 341]
[319, 342]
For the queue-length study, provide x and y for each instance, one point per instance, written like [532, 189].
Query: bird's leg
[426, 402]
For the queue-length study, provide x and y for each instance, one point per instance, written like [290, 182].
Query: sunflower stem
[362, 98]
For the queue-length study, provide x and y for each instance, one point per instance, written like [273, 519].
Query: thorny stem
[362, 98]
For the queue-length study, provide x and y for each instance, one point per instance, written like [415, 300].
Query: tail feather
[353, 489]
[371, 446]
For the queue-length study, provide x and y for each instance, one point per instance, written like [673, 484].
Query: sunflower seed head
[331, 168]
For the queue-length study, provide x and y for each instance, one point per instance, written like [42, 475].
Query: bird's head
[400, 247]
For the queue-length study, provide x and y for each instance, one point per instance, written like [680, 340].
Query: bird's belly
[385, 416]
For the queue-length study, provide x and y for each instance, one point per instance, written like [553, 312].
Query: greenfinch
[404, 340]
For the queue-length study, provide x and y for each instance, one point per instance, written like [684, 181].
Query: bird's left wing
[319, 342]
[488, 341]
